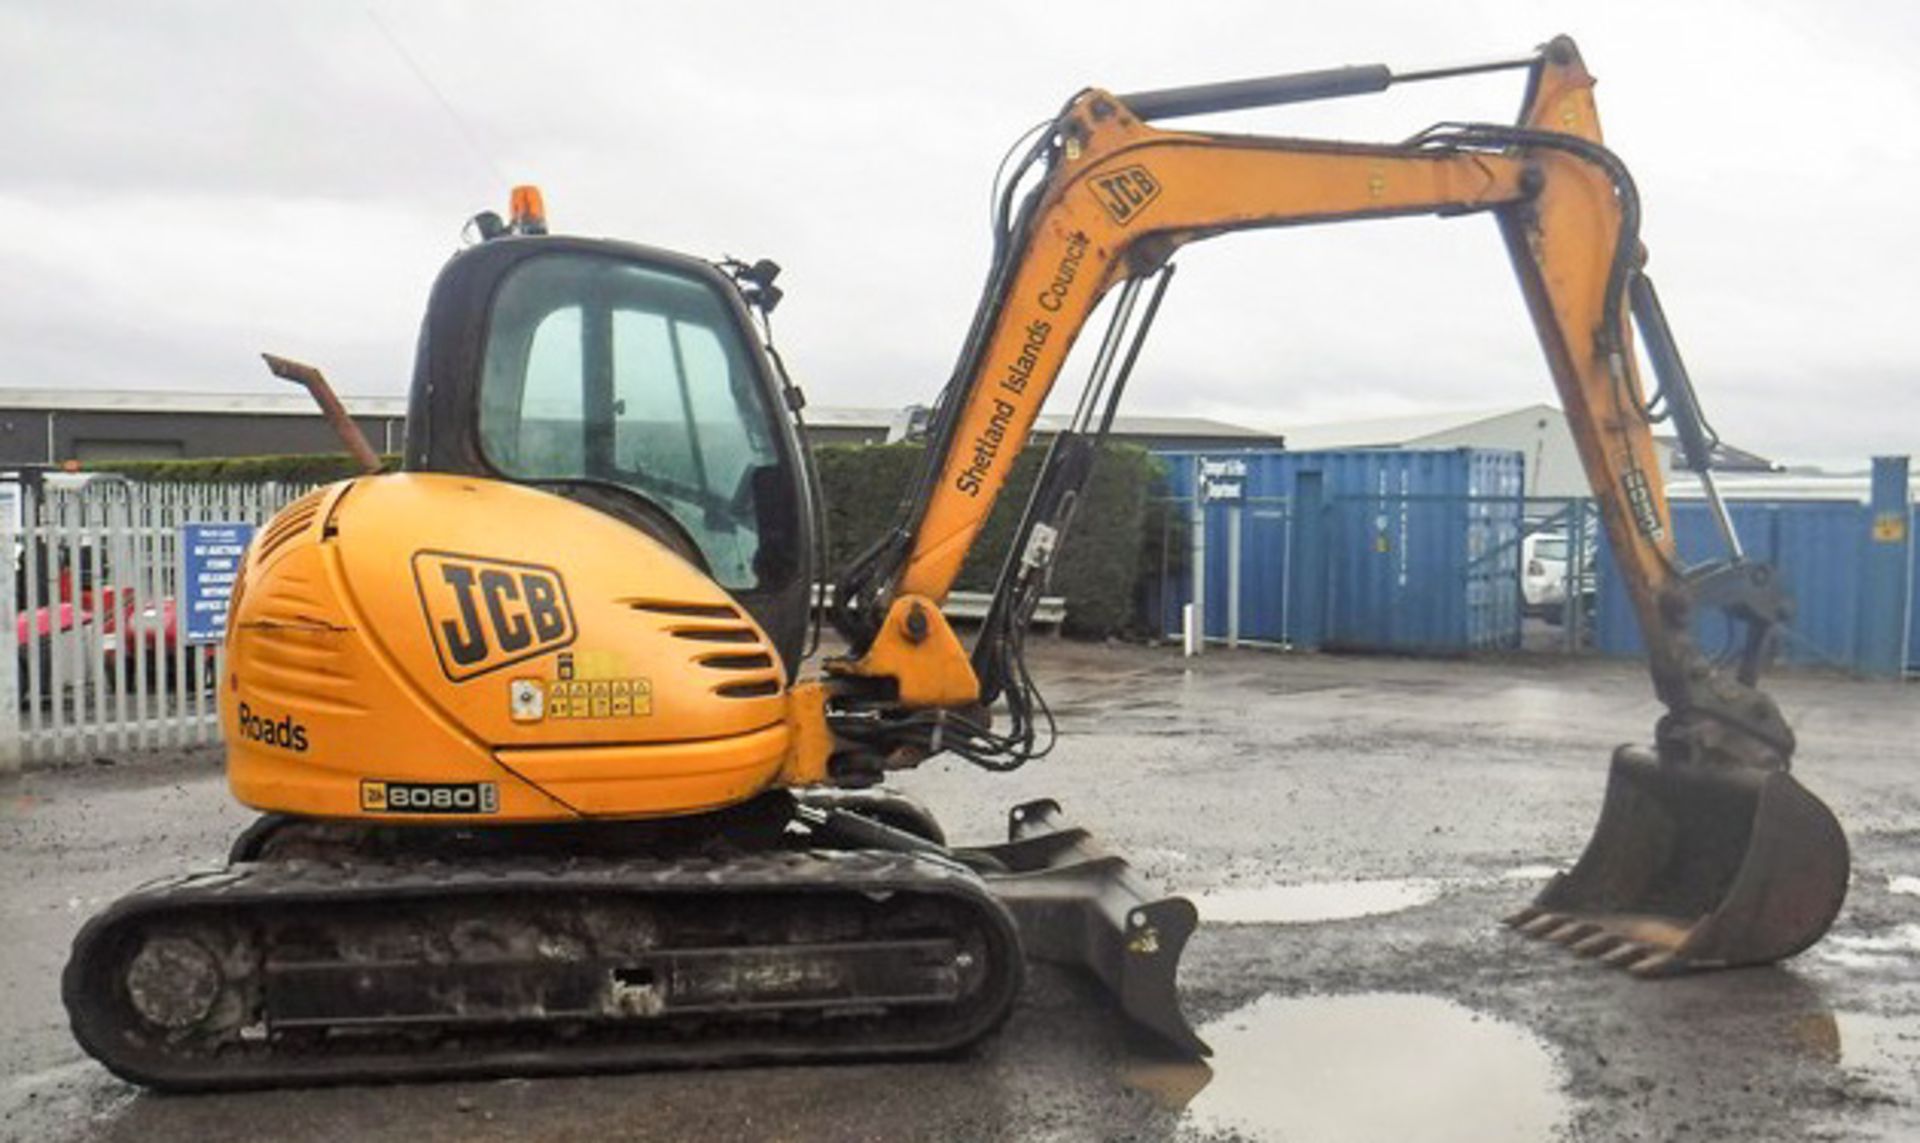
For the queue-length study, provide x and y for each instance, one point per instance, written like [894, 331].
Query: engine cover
[419, 646]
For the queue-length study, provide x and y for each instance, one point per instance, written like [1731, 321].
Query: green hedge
[319, 468]
[1099, 567]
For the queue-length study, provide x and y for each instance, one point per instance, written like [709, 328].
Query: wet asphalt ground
[1352, 827]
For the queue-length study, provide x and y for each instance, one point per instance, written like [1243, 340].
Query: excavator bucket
[1696, 867]
[1077, 904]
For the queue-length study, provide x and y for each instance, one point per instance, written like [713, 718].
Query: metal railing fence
[101, 662]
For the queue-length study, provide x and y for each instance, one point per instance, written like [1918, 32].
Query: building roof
[1412, 429]
[1393, 432]
[289, 402]
[1153, 425]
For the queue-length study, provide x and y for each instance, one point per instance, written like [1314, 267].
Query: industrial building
[828, 424]
[53, 426]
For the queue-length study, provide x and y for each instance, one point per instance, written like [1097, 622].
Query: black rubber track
[252, 899]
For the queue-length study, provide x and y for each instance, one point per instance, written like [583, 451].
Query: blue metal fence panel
[1817, 547]
[1820, 552]
[1265, 541]
[1263, 569]
[1495, 521]
[1265, 537]
[1886, 570]
[1913, 593]
[1267, 481]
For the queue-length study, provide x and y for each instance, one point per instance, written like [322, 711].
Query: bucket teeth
[1573, 932]
[1659, 964]
[1516, 920]
[1594, 939]
[1543, 924]
[1599, 942]
[1627, 955]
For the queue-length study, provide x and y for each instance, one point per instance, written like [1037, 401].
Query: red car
[155, 626]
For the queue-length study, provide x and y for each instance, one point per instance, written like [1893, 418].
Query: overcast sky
[190, 183]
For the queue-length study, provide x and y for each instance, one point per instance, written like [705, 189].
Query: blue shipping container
[1412, 551]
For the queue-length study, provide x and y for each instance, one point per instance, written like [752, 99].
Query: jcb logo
[485, 614]
[1126, 192]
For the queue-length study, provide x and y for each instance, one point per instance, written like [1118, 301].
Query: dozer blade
[1696, 867]
[1077, 904]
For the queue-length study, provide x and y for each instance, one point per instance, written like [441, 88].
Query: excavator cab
[630, 380]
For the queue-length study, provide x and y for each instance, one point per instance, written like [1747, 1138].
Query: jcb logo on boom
[485, 614]
[1126, 192]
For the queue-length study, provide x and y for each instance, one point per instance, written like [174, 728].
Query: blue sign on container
[210, 556]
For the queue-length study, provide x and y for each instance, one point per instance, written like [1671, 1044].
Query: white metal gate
[101, 662]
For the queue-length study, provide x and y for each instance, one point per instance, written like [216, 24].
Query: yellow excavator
[546, 790]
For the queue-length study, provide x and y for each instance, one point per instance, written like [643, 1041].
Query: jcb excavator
[546, 789]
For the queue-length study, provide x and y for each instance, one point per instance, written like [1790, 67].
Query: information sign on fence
[210, 556]
[1223, 481]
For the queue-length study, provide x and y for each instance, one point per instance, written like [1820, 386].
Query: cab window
[610, 371]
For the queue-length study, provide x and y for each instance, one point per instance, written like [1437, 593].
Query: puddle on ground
[1887, 950]
[1883, 1050]
[1882, 1047]
[1365, 1067]
[1307, 904]
[1904, 885]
